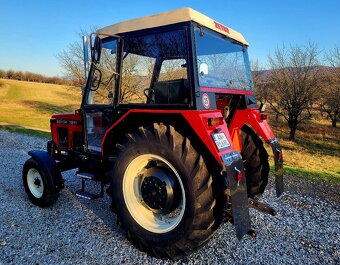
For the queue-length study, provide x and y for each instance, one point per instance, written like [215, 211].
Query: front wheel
[38, 185]
[163, 192]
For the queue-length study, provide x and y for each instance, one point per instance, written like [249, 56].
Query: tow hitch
[237, 202]
[261, 207]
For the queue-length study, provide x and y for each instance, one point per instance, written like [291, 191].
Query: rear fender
[258, 121]
[233, 171]
[48, 165]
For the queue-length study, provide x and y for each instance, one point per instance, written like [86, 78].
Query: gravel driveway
[74, 231]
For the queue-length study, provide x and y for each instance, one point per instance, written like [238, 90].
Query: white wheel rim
[145, 217]
[35, 183]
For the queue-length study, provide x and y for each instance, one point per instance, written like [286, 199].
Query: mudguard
[278, 159]
[236, 183]
[49, 167]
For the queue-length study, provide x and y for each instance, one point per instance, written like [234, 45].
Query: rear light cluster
[214, 122]
[264, 116]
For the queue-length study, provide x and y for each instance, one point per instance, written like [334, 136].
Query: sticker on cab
[206, 101]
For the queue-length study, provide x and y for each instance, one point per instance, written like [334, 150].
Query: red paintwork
[222, 103]
[226, 90]
[73, 122]
[67, 116]
[252, 117]
[198, 120]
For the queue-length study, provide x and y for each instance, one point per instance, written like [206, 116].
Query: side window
[172, 86]
[154, 69]
[173, 69]
[104, 78]
[136, 77]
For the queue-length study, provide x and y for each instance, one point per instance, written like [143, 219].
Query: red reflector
[215, 121]
[239, 175]
[264, 116]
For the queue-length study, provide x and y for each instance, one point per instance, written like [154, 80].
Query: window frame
[87, 88]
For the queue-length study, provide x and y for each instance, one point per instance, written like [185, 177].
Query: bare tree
[330, 97]
[293, 81]
[333, 57]
[258, 73]
[72, 61]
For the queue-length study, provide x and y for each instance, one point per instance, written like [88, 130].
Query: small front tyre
[38, 185]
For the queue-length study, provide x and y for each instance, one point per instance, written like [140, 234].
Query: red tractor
[169, 122]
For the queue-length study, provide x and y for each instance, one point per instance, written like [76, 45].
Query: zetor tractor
[170, 129]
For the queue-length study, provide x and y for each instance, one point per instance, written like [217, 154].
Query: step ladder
[82, 193]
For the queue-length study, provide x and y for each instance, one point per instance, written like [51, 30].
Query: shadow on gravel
[100, 207]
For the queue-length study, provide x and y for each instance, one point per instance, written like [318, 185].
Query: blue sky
[33, 32]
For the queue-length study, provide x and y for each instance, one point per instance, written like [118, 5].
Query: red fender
[198, 120]
[256, 119]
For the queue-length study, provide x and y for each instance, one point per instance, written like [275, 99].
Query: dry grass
[316, 152]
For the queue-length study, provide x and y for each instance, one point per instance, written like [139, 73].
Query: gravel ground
[306, 229]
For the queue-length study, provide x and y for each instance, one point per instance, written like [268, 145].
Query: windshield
[221, 62]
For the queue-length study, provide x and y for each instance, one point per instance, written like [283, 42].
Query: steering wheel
[147, 92]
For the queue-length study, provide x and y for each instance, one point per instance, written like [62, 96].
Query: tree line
[33, 77]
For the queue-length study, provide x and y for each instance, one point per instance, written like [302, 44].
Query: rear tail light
[214, 122]
[264, 116]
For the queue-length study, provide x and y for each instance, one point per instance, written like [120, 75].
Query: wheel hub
[157, 190]
[37, 182]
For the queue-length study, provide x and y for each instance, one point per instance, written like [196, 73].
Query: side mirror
[96, 49]
[203, 69]
[97, 79]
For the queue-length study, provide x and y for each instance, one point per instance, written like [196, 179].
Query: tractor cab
[182, 60]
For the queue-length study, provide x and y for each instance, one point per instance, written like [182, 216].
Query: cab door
[99, 100]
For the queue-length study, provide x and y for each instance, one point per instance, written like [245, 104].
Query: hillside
[32, 104]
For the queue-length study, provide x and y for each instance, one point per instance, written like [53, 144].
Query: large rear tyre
[255, 159]
[162, 192]
[38, 185]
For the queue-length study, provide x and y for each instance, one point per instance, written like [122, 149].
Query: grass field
[314, 155]
[32, 104]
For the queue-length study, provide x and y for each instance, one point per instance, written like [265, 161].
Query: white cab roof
[172, 17]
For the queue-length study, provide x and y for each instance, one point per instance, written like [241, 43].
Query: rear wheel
[162, 192]
[255, 159]
[37, 184]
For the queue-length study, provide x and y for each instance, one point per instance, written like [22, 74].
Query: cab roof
[172, 17]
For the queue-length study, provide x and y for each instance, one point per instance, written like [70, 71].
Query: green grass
[313, 175]
[19, 129]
